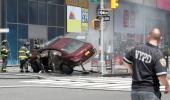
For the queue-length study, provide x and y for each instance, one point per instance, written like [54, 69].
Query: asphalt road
[60, 94]
[63, 94]
[14, 89]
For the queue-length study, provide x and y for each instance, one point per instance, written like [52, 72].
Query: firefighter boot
[3, 70]
[21, 70]
[27, 71]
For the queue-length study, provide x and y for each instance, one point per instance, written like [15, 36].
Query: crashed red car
[63, 54]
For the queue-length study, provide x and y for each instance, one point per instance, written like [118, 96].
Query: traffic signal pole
[104, 16]
[102, 61]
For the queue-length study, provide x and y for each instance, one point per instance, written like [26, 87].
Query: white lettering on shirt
[144, 57]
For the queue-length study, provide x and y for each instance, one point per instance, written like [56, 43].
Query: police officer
[24, 55]
[148, 67]
[4, 54]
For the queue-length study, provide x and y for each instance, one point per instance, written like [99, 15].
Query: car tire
[35, 67]
[66, 69]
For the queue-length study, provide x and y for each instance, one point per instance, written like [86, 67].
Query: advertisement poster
[73, 19]
[163, 4]
[84, 20]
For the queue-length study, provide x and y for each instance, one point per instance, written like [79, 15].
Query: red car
[63, 54]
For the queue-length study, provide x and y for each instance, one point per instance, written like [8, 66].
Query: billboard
[163, 4]
[84, 20]
[78, 3]
[73, 19]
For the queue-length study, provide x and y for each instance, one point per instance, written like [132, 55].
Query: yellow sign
[73, 19]
[78, 3]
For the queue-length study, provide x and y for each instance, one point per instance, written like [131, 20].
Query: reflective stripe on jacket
[4, 51]
[23, 53]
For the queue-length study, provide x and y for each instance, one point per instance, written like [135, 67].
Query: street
[83, 49]
[60, 94]
[65, 88]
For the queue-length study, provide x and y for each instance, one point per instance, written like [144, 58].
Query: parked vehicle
[63, 54]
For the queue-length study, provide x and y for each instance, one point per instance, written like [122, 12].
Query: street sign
[98, 1]
[4, 30]
[80, 37]
[95, 1]
[106, 18]
[103, 12]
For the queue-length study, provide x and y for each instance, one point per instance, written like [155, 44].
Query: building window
[12, 11]
[54, 32]
[55, 15]
[34, 0]
[61, 2]
[33, 12]
[42, 13]
[12, 39]
[43, 0]
[23, 11]
[60, 16]
[22, 34]
[52, 15]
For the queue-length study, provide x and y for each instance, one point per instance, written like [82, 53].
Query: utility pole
[102, 62]
[98, 24]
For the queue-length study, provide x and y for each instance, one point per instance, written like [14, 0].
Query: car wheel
[66, 69]
[35, 67]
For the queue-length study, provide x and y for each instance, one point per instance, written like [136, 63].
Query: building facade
[30, 19]
[130, 24]
[46, 19]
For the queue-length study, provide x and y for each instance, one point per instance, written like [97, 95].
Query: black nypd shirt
[147, 63]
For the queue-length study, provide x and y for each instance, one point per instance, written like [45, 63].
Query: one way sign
[103, 12]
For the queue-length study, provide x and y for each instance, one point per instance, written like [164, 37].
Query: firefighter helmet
[36, 41]
[4, 42]
[26, 44]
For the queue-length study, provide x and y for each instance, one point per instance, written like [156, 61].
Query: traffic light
[114, 4]
[96, 24]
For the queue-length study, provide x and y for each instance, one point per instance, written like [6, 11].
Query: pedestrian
[24, 55]
[4, 55]
[148, 67]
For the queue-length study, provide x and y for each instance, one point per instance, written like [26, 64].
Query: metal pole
[144, 38]
[102, 40]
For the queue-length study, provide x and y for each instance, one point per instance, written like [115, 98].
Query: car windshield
[72, 46]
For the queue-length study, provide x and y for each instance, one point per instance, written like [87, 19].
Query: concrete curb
[20, 76]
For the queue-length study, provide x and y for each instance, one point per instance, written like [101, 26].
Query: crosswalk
[92, 83]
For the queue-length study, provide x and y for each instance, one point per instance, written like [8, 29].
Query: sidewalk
[14, 73]
[16, 70]
[13, 69]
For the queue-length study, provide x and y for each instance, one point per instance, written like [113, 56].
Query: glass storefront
[133, 22]
[21, 16]
[129, 25]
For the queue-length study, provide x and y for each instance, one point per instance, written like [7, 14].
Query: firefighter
[24, 55]
[37, 47]
[4, 54]
[36, 44]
